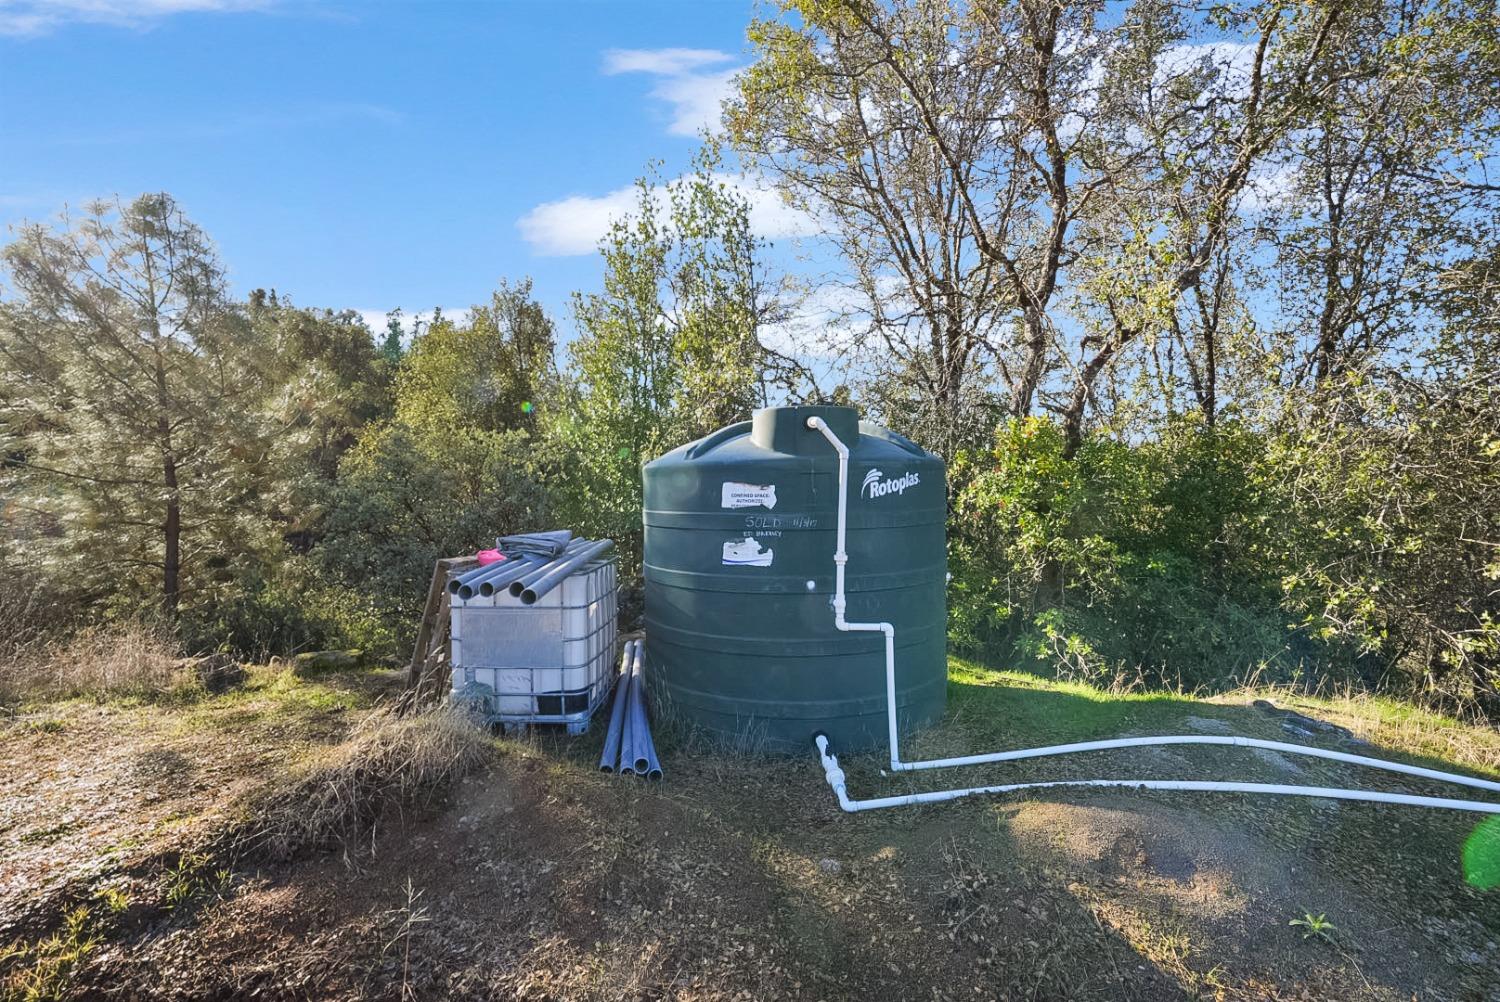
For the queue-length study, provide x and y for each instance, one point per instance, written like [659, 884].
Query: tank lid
[784, 429]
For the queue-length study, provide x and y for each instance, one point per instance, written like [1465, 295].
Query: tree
[328, 381]
[1388, 186]
[488, 373]
[986, 165]
[668, 351]
[827, 113]
[131, 392]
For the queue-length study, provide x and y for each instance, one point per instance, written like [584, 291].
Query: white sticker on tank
[746, 552]
[737, 495]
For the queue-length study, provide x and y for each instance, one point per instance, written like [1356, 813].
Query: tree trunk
[172, 533]
[1024, 391]
[1210, 400]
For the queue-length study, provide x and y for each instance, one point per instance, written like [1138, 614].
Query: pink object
[489, 557]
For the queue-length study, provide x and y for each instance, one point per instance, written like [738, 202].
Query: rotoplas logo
[875, 487]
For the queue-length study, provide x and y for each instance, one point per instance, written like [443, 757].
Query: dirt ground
[536, 877]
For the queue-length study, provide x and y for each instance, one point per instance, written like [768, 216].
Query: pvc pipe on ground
[560, 570]
[838, 781]
[1203, 739]
[635, 709]
[646, 762]
[840, 558]
[611, 753]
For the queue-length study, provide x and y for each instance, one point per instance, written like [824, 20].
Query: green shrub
[1122, 563]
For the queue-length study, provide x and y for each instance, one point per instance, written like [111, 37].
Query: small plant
[191, 880]
[114, 899]
[406, 920]
[1315, 926]
[45, 972]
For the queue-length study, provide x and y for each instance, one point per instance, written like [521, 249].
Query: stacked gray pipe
[484, 584]
[519, 584]
[474, 576]
[611, 754]
[533, 587]
[523, 565]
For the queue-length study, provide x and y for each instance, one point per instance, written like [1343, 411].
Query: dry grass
[122, 660]
[388, 760]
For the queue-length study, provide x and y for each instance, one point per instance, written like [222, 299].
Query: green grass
[276, 694]
[1000, 708]
[996, 708]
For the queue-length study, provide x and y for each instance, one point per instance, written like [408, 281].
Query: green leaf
[1482, 855]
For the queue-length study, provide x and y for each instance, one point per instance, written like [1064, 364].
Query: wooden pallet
[430, 657]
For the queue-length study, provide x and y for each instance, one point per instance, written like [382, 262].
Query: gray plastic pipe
[642, 749]
[476, 575]
[611, 753]
[631, 758]
[519, 585]
[560, 570]
[504, 573]
[840, 558]
[496, 582]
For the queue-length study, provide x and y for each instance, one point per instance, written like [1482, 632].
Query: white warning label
[737, 495]
[747, 552]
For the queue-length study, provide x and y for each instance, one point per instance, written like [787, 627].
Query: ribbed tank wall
[739, 575]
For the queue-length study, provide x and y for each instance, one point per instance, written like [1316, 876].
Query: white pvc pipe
[841, 557]
[1201, 739]
[837, 781]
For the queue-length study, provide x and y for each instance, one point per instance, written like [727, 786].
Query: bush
[1122, 563]
[287, 609]
[403, 500]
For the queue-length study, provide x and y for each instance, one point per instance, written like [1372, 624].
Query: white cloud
[662, 62]
[575, 225]
[685, 83]
[36, 17]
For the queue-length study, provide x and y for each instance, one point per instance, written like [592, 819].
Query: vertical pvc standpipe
[830, 763]
[611, 754]
[840, 558]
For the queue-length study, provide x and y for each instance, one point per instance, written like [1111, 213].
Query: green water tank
[739, 576]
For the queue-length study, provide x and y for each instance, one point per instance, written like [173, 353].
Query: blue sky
[366, 155]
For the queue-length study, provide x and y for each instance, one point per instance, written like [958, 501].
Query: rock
[1208, 725]
[311, 663]
[1277, 761]
[830, 866]
[215, 672]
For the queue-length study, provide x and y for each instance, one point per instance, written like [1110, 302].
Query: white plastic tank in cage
[547, 661]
